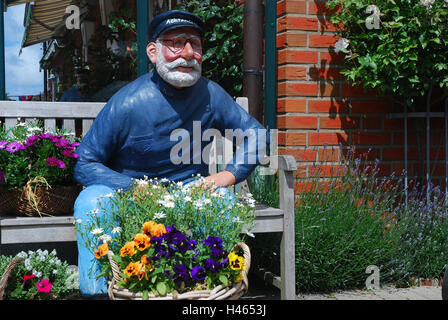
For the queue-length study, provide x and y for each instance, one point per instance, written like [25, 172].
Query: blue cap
[171, 20]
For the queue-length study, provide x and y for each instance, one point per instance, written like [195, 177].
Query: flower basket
[43, 201]
[232, 291]
[5, 276]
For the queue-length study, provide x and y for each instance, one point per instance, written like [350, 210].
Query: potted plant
[36, 170]
[166, 240]
[36, 275]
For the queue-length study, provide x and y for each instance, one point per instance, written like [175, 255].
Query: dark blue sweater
[133, 135]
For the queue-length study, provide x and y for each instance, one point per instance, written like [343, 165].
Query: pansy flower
[180, 273]
[211, 265]
[128, 249]
[142, 241]
[102, 251]
[198, 273]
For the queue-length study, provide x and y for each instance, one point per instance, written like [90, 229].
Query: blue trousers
[88, 266]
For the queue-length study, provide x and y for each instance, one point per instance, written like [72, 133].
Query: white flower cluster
[35, 260]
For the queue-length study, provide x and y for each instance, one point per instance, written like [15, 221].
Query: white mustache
[181, 62]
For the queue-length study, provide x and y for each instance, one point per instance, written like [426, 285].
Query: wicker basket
[52, 201]
[5, 276]
[232, 291]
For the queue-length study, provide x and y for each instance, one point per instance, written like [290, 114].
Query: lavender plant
[342, 224]
[422, 229]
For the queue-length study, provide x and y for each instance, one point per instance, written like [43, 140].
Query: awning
[44, 19]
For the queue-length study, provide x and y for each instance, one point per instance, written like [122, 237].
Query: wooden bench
[15, 230]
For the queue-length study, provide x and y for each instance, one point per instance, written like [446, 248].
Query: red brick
[331, 58]
[291, 40]
[325, 74]
[297, 89]
[398, 154]
[393, 124]
[289, 72]
[340, 122]
[356, 91]
[329, 90]
[290, 6]
[296, 122]
[296, 56]
[322, 40]
[330, 138]
[370, 138]
[291, 105]
[292, 138]
[297, 23]
[321, 8]
[299, 154]
[358, 106]
[372, 122]
[326, 25]
[327, 106]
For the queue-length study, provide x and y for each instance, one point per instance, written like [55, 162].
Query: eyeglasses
[176, 45]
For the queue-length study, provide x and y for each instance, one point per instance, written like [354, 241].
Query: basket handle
[5, 276]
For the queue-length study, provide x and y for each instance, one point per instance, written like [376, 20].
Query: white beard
[167, 70]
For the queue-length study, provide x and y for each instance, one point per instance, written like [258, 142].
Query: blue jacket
[132, 135]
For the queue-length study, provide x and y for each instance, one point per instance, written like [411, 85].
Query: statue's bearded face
[179, 57]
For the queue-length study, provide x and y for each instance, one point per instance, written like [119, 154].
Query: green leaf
[161, 288]
[223, 279]
[145, 295]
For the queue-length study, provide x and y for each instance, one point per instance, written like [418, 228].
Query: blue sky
[23, 76]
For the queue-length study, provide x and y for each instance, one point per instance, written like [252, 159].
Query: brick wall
[318, 109]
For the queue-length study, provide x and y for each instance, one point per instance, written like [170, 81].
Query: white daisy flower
[116, 230]
[97, 231]
[159, 215]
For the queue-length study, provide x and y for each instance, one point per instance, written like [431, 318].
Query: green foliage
[222, 59]
[42, 276]
[405, 56]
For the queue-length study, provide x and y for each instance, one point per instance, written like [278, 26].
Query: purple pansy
[180, 273]
[198, 273]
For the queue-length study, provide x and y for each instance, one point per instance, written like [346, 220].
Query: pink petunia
[44, 286]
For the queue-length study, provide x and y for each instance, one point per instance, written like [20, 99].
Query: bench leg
[287, 264]
[287, 250]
